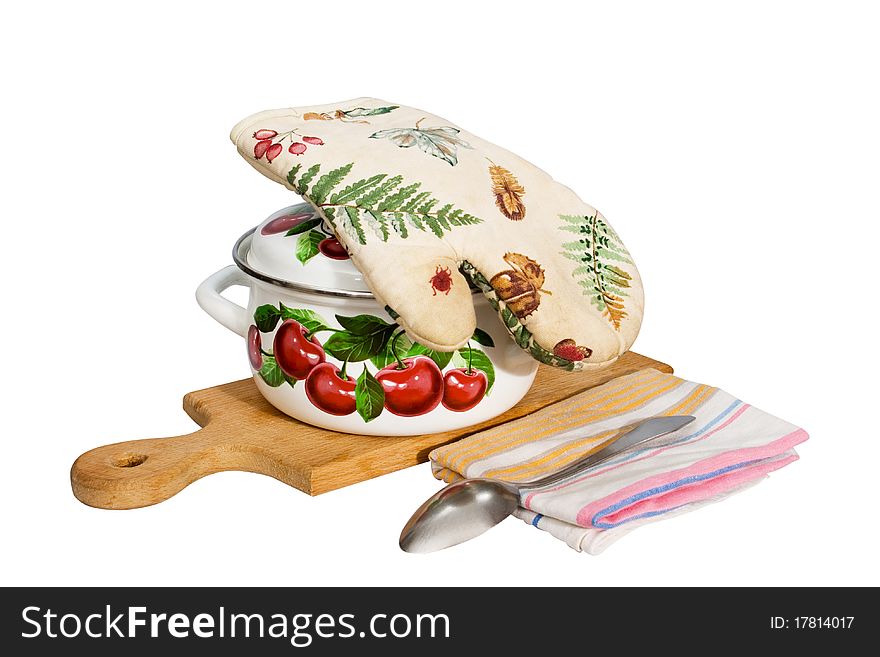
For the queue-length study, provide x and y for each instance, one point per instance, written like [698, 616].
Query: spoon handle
[629, 438]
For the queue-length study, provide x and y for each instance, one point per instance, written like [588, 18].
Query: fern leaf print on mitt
[381, 203]
[597, 249]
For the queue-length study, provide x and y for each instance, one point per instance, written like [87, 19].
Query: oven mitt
[425, 208]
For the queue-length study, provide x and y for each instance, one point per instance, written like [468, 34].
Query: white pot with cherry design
[322, 350]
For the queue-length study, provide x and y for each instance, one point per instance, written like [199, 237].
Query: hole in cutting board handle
[129, 460]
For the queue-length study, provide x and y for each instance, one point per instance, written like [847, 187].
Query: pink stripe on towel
[742, 409]
[701, 489]
[698, 491]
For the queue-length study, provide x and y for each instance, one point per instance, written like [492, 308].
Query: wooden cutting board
[242, 431]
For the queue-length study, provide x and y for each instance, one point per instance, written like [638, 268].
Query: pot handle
[229, 314]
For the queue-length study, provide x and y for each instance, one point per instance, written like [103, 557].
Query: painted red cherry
[328, 391]
[265, 134]
[255, 346]
[462, 390]
[285, 222]
[273, 151]
[296, 353]
[331, 248]
[414, 390]
[297, 148]
[261, 147]
[315, 141]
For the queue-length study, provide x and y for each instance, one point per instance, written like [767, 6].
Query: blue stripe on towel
[727, 411]
[660, 489]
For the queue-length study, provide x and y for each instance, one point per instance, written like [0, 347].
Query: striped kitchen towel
[730, 446]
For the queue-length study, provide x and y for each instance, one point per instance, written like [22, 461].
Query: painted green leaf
[369, 111]
[442, 358]
[291, 178]
[369, 396]
[379, 223]
[306, 178]
[427, 206]
[362, 324]
[479, 360]
[303, 227]
[266, 318]
[307, 245]
[596, 251]
[271, 373]
[385, 357]
[378, 204]
[352, 225]
[509, 318]
[549, 358]
[413, 202]
[311, 320]
[397, 199]
[370, 198]
[347, 346]
[398, 222]
[327, 182]
[483, 338]
[441, 142]
[523, 336]
[356, 189]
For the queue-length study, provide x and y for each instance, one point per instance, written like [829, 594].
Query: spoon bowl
[467, 508]
[458, 513]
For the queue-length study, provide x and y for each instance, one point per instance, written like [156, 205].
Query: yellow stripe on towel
[687, 406]
[552, 461]
[452, 453]
[537, 426]
[564, 454]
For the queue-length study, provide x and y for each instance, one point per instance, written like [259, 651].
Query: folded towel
[730, 446]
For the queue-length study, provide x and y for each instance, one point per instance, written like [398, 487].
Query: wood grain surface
[242, 431]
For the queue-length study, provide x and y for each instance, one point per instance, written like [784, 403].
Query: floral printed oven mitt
[425, 208]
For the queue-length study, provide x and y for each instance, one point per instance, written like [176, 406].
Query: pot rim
[239, 252]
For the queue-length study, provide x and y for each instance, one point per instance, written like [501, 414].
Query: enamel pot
[323, 350]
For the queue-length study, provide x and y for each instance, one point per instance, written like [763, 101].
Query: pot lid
[295, 248]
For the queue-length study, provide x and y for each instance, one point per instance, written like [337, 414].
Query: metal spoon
[465, 509]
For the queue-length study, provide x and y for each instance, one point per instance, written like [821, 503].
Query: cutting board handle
[242, 431]
[139, 473]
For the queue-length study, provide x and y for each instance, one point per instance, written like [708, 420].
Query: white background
[735, 149]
